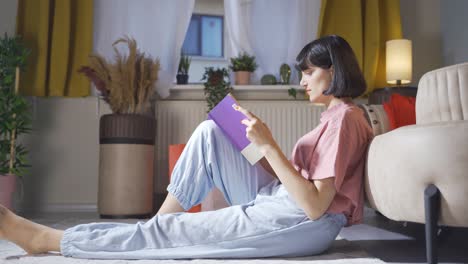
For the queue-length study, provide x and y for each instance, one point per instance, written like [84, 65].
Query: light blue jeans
[262, 220]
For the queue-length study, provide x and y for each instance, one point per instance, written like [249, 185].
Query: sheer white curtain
[158, 26]
[272, 30]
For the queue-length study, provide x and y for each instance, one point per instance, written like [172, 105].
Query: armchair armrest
[402, 162]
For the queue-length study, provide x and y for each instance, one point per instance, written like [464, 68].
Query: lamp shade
[399, 61]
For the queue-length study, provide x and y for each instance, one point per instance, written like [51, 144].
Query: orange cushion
[400, 110]
[174, 153]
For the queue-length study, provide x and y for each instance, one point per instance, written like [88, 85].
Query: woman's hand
[257, 131]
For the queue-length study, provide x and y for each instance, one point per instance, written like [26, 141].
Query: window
[204, 36]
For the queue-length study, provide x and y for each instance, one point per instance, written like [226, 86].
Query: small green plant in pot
[184, 66]
[15, 117]
[216, 84]
[242, 66]
[285, 73]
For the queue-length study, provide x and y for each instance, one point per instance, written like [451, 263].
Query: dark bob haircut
[333, 50]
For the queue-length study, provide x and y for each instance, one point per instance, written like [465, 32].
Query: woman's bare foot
[32, 237]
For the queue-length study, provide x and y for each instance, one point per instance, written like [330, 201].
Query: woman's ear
[332, 70]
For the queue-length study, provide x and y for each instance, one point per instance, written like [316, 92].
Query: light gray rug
[342, 251]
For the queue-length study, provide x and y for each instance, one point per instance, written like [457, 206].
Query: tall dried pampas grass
[127, 84]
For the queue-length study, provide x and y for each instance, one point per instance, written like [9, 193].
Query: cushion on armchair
[400, 110]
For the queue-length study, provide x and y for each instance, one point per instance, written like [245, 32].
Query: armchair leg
[432, 208]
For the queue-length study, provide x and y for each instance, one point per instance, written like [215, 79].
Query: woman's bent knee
[207, 125]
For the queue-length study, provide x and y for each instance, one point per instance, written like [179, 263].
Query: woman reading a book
[278, 207]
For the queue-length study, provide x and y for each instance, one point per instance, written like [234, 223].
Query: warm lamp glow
[399, 61]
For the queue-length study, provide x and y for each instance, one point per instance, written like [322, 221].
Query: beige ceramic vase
[126, 166]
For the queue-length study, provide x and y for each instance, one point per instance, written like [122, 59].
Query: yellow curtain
[366, 25]
[59, 34]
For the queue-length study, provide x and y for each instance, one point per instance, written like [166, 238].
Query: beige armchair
[419, 173]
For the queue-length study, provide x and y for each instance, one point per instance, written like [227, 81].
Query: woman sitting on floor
[278, 207]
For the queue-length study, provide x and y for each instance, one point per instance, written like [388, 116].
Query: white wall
[64, 154]
[454, 24]
[8, 16]
[438, 31]
[421, 24]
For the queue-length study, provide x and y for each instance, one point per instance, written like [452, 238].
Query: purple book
[229, 119]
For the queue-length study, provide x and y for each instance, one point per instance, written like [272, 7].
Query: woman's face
[315, 80]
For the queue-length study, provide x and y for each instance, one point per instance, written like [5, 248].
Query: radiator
[176, 120]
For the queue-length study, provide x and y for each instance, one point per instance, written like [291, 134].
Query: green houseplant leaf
[12, 54]
[184, 64]
[15, 118]
[243, 62]
[216, 85]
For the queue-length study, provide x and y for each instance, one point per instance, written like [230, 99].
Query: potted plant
[243, 66]
[127, 135]
[216, 85]
[184, 66]
[285, 73]
[15, 118]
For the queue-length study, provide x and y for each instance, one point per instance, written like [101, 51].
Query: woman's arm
[313, 197]
[267, 167]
